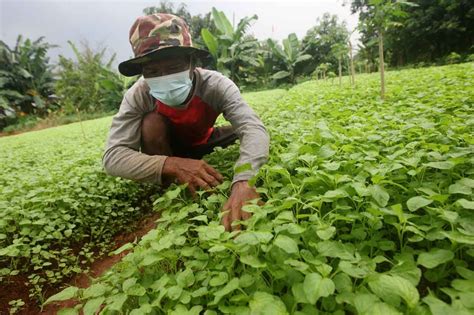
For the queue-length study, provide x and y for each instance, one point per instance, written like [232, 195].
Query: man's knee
[155, 134]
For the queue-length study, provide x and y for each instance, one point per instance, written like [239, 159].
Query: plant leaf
[65, 294]
[435, 257]
[379, 194]
[388, 286]
[286, 243]
[263, 303]
[315, 287]
[417, 202]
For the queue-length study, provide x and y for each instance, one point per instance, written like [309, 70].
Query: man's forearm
[134, 165]
[254, 149]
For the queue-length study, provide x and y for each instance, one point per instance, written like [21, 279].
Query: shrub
[26, 80]
[89, 84]
[453, 58]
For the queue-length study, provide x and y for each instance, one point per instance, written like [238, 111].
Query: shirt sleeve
[122, 157]
[254, 139]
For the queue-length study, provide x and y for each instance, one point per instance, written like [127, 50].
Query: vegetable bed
[368, 209]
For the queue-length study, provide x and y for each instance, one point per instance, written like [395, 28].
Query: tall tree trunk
[340, 72]
[381, 66]
[348, 65]
[352, 63]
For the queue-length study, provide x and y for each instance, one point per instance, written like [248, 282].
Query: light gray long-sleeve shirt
[123, 158]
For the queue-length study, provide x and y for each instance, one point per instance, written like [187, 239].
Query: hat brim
[133, 66]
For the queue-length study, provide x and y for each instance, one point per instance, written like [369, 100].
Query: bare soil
[44, 124]
[16, 287]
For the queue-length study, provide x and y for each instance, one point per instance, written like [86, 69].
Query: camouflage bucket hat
[157, 36]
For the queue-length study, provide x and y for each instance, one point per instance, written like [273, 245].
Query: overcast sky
[107, 22]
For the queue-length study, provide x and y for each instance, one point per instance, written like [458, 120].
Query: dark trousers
[158, 138]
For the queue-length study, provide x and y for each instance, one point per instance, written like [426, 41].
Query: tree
[268, 61]
[377, 16]
[351, 58]
[340, 51]
[432, 30]
[259, 73]
[319, 40]
[230, 46]
[427, 33]
[323, 68]
[290, 55]
[26, 80]
[168, 7]
[89, 84]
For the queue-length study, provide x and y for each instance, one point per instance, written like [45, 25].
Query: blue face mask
[171, 89]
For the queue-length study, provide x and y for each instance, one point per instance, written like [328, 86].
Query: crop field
[368, 209]
[58, 209]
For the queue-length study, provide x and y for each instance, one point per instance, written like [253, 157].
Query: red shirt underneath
[193, 125]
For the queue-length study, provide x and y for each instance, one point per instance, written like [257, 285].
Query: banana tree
[230, 47]
[26, 79]
[290, 56]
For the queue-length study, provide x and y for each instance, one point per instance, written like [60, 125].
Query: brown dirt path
[17, 288]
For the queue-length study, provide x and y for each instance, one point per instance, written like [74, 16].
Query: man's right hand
[196, 173]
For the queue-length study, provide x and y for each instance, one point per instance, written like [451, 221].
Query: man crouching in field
[169, 114]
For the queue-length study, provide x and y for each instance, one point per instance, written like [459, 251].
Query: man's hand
[240, 195]
[196, 173]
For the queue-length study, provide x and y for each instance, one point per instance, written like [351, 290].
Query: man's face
[170, 65]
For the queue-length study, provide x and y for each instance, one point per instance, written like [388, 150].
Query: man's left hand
[240, 195]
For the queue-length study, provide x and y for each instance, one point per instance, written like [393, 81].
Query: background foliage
[428, 33]
[26, 80]
[424, 33]
[89, 83]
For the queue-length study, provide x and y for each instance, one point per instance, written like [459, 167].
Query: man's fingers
[192, 189]
[226, 222]
[213, 172]
[235, 216]
[226, 217]
[211, 180]
[202, 184]
[245, 215]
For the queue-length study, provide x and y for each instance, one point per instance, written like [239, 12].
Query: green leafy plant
[453, 58]
[290, 55]
[88, 83]
[231, 49]
[427, 33]
[320, 39]
[340, 51]
[367, 209]
[378, 16]
[58, 208]
[26, 80]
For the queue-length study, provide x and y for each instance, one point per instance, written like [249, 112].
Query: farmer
[166, 120]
